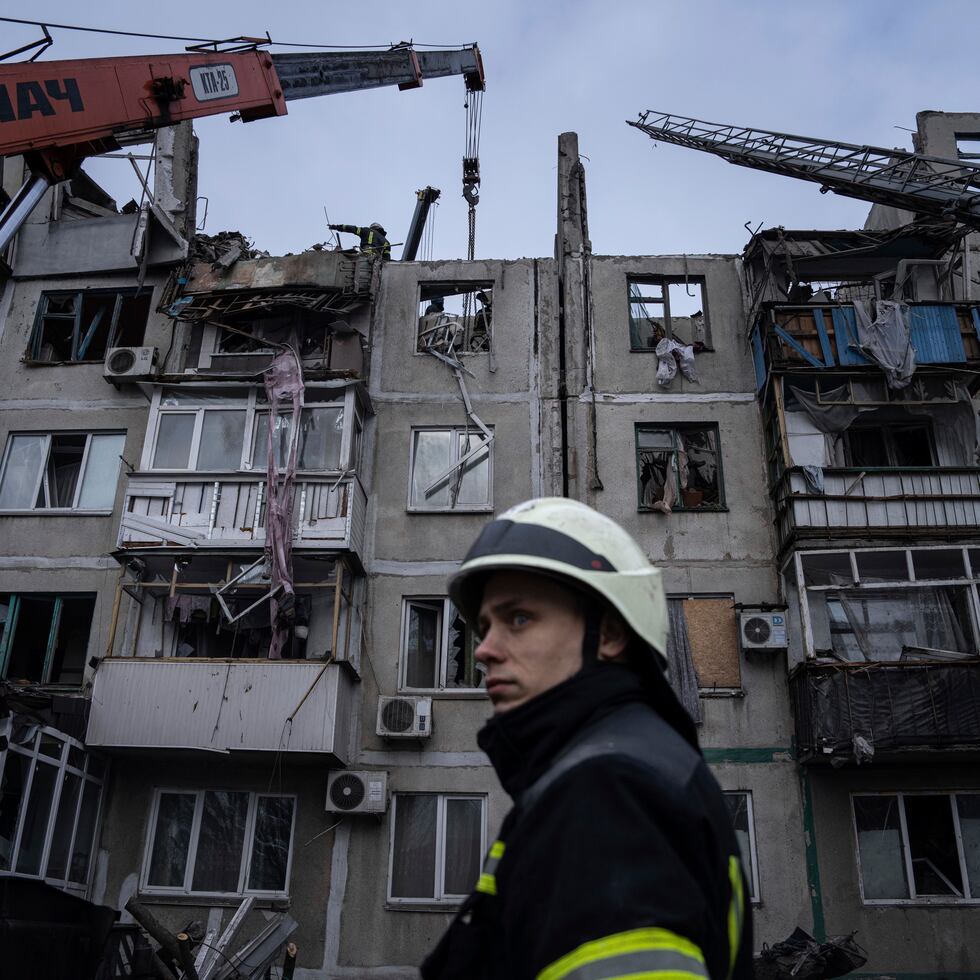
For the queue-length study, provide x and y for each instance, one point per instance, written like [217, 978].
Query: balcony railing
[229, 512]
[854, 501]
[818, 337]
[892, 708]
[222, 705]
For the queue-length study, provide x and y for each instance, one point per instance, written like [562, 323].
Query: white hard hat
[568, 540]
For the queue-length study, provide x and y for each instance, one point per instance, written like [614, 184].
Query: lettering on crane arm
[28, 98]
[213, 82]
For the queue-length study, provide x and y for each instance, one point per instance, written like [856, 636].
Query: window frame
[793, 574]
[914, 899]
[249, 403]
[64, 768]
[755, 895]
[39, 481]
[456, 433]
[477, 285]
[121, 293]
[675, 428]
[8, 632]
[638, 279]
[439, 871]
[186, 889]
[889, 430]
[445, 618]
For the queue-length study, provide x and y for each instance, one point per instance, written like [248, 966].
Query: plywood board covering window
[712, 632]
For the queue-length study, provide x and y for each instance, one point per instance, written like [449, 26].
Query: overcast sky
[851, 70]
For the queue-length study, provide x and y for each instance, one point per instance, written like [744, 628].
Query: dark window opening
[886, 445]
[662, 308]
[455, 317]
[84, 325]
[679, 468]
[202, 630]
[44, 638]
[932, 846]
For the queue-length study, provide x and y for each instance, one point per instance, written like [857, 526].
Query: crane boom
[911, 181]
[56, 113]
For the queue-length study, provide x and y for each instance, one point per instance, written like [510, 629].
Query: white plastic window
[451, 469]
[437, 844]
[50, 796]
[60, 471]
[219, 842]
[437, 648]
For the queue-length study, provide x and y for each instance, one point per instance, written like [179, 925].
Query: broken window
[664, 308]
[319, 440]
[455, 317]
[968, 146]
[903, 604]
[50, 790]
[740, 810]
[44, 638]
[61, 470]
[679, 468]
[219, 842]
[918, 845]
[437, 648]
[889, 445]
[451, 469]
[437, 843]
[200, 629]
[84, 325]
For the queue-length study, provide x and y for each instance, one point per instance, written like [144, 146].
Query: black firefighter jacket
[616, 861]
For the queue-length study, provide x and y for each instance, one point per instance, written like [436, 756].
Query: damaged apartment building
[232, 486]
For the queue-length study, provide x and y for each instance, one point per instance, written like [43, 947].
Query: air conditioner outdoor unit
[129, 363]
[404, 717]
[357, 792]
[763, 630]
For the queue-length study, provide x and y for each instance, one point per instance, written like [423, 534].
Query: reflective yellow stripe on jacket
[640, 954]
[736, 912]
[487, 882]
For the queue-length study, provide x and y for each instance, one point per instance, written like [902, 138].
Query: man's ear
[613, 637]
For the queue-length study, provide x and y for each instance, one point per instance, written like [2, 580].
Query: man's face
[532, 630]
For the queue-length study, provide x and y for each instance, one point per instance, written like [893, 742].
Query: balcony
[222, 706]
[826, 337]
[229, 513]
[855, 501]
[900, 708]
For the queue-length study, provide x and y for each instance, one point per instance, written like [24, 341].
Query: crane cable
[471, 163]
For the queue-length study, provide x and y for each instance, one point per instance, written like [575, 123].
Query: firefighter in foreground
[618, 858]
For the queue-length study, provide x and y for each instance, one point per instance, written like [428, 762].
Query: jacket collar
[523, 742]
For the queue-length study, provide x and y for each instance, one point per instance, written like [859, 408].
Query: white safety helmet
[568, 540]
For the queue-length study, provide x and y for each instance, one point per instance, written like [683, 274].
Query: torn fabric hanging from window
[887, 340]
[682, 675]
[670, 356]
[283, 382]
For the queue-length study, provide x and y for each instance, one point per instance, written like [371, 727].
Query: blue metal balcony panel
[935, 333]
[846, 337]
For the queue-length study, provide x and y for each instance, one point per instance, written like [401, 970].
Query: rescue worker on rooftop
[373, 238]
[618, 858]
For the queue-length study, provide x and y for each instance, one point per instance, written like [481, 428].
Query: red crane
[57, 113]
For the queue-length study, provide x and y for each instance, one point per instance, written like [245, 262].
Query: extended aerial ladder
[57, 113]
[911, 181]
